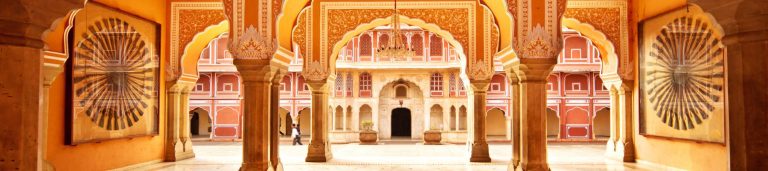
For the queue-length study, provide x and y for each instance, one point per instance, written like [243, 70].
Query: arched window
[401, 91]
[365, 45]
[349, 85]
[462, 89]
[339, 84]
[452, 84]
[417, 43]
[365, 85]
[436, 84]
[383, 40]
[435, 46]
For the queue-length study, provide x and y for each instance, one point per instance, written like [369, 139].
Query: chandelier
[395, 48]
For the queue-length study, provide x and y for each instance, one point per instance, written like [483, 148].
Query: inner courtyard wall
[666, 152]
[108, 154]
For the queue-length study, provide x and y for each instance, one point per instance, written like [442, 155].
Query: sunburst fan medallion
[115, 74]
[685, 73]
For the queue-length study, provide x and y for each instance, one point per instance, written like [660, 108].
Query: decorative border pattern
[624, 68]
[179, 21]
[326, 7]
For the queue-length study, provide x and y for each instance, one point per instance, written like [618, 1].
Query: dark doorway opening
[288, 125]
[193, 126]
[401, 122]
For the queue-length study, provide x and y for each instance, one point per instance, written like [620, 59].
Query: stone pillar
[515, 117]
[533, 92]
[620, 145]
[625, 146]
[355, 84]
[446, 84]
[53, 65]
[447, 117]
[274, 119]
[20, 101]
[178, 144]
[319, 146]
[610, 147]
[479, 144]
[355, 119]
[256, 90]
[23, 111]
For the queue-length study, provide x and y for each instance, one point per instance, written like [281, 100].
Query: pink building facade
[577, 102]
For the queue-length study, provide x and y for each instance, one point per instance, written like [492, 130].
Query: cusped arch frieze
[455, 21]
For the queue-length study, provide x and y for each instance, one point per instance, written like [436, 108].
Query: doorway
[401, 122]
[200, 123]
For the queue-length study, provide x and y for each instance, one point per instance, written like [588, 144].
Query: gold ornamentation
[454, 21]
[603, 19]
[192, 22]
[299, 33]
[252, 45]
[188, 19]
[537, 44]
[603, 16]
[314, 71]
[534, 37]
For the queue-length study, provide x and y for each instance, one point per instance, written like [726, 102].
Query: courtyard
[396, 155]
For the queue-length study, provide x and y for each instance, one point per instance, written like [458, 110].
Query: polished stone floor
[408, 155]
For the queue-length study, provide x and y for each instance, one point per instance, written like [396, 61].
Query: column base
[610, 148]
[625, 152]
[259, 166]
[514, 164]
[180, 152]
[319, 152]
[47, 166]
[279, 165]
[533, 167]
[480, 152]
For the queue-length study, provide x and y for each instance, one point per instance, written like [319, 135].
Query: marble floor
[395, 156]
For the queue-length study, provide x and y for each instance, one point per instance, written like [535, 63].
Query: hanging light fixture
[395, 48]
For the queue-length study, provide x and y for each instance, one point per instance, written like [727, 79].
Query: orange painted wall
[114, 153]
[681, 154]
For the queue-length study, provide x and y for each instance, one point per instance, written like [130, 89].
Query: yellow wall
[681, 154]
[114, 153]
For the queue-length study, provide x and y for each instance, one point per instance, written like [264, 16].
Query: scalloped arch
[403, 19]
[609, 58]
[191, 54]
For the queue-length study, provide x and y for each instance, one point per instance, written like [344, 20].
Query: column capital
[479, 86]
[535, 69]
[512, 76]
[254, 70]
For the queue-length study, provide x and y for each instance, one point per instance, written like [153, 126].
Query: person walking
[296, 135]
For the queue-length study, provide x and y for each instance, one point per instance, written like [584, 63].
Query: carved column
[479, 144]
[625, 146]
[319, 146]
[274, 120]
[620, 145]
[178, 144]
[515, 115]
[533, 94]
[184, 123]
[257, 88]
[53, 65]
[610, 147]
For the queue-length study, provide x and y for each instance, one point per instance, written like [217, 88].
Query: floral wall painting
[113, 76]
[683, 77]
